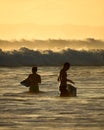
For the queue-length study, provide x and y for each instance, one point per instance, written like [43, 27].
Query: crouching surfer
[32, 81]
[64, 88]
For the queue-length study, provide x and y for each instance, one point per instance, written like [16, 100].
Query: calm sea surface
[20, 110]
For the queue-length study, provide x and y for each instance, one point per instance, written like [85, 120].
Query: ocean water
[20, 110]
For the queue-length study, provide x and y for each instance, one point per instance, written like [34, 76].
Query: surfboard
[72, 90]
[25, 83]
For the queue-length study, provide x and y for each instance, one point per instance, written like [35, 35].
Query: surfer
[34, 79]
[62, 78]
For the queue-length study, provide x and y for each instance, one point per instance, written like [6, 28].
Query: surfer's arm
[70, 81]
[39, 79]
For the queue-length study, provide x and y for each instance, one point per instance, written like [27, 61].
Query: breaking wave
[53, 44]
[28, 57]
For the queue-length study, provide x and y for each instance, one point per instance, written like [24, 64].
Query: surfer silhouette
[32, 81]
[62, 78]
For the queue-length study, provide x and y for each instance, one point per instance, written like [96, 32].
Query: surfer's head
[66, 65]
[34, 69]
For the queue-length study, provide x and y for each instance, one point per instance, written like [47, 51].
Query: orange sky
[51, 13]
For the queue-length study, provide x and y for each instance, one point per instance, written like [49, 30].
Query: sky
[44, 19]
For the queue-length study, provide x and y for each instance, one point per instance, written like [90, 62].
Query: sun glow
[50, 19]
